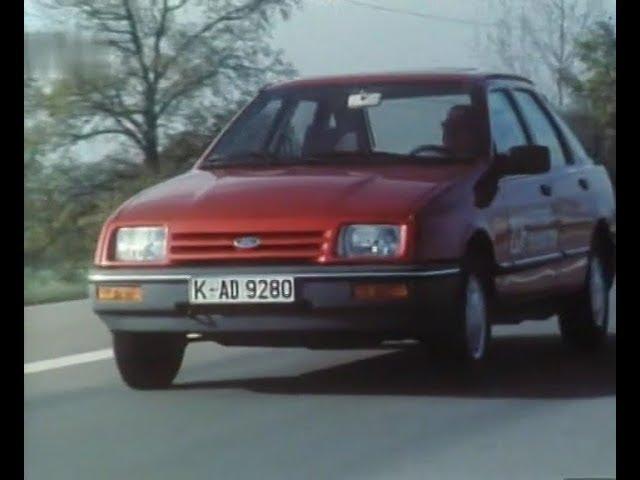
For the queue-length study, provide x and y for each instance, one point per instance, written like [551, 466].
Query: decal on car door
[518, 238]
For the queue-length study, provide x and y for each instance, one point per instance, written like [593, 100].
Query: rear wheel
[585, 320]
[148, 360]
[466, 337]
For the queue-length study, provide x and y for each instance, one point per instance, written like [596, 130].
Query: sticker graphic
[518, 239]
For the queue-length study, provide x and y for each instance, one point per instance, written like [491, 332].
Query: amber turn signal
[380, 291]
[119, 294]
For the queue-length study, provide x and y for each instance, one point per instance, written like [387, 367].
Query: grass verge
[46, 286]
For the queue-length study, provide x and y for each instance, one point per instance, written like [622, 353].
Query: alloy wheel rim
[476, 318]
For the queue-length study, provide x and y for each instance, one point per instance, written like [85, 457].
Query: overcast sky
[335, 36]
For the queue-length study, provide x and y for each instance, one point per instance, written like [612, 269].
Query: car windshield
[375, 123]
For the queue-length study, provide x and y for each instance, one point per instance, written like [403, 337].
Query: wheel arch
[603, 242]
[479, 255]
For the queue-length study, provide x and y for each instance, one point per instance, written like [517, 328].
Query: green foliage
[46, 285]
[177, 71]
[597, 53]
[67, 203]
[596, 88]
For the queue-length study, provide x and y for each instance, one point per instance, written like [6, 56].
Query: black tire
[584, 320]
[464, 340]
[148, 361]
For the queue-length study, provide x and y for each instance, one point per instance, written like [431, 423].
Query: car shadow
[520, 367]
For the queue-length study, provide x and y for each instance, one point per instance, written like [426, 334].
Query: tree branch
[137, 43]
[79, 137]
[235, 14]
[186, 87]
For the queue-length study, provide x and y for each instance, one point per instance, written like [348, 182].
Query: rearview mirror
[363, 99]
[524, 160]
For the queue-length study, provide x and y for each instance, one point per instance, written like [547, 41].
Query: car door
[571, 204]
[533, 234]
[575, 204]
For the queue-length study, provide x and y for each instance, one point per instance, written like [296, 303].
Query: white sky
[333, 36]
[338, 37]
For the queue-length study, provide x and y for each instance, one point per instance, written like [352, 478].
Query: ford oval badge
[246, 242]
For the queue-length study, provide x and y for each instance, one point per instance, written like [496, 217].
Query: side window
[293, 132]
[542, 130]
[505, 126]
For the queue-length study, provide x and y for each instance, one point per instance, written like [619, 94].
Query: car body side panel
[447, 223]
[575, 207]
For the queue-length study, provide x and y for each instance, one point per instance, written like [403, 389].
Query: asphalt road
[236, 413]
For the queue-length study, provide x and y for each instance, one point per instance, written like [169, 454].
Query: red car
[352, 210]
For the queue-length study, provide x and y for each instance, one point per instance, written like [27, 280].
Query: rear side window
[505, 127]
[540, 125]
[579, 155]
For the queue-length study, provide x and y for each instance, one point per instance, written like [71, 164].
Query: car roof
[464, 76]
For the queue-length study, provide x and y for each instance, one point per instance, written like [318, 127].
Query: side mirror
[524, 160]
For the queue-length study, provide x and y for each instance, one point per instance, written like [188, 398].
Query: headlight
[370, 240]
[141, 244]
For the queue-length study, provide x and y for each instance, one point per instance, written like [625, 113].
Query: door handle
[545, 190]
[584, 184]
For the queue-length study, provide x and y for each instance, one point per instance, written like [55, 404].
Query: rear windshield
[368, 123]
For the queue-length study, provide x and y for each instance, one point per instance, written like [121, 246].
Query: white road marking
[67, 361]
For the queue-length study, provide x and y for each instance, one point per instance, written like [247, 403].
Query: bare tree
[508, 40]
[172, 63]
[537, 38]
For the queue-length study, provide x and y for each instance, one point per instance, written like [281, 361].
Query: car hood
[288, 197]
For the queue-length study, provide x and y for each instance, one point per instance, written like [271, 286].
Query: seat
[459, 130]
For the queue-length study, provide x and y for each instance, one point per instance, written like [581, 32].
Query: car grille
[219, 247]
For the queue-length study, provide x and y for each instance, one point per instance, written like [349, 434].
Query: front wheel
[148, 360]
[585, 320]
[466, 338]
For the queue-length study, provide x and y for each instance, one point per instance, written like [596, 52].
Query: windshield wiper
[243, 158]
[339, 155]
[257, 158]
[381, 157]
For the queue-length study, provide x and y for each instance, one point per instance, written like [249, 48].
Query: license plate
[242, 289]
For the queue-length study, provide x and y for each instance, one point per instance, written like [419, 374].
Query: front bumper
[324, 303]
